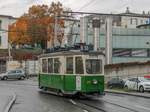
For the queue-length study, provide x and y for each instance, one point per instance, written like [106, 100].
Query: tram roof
[67, 53]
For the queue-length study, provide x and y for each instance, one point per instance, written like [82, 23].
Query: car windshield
[144, 79]
[10, 72]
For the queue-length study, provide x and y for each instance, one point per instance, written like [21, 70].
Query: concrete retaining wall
[127, 70]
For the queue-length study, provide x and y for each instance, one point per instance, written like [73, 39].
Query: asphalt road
[30, 99]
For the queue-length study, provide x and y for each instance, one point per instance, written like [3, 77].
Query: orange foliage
[18, 32]
[37, 25]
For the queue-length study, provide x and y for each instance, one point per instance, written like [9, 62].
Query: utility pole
[55, 30]
[96, 40]
[9, 52]
[108, 44]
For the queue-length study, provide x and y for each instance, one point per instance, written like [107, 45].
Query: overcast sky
[18, 7]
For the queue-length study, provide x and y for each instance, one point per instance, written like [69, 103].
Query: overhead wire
[86, 5]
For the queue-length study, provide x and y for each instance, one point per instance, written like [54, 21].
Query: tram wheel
[60, 93]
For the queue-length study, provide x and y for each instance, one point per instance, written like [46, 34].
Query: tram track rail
[94, 107]
[104, 110]
[133, 110]
[82, 103]
[87, 107]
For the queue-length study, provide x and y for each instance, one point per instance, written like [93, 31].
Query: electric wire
[86, 5]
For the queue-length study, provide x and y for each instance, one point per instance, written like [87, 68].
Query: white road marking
[73, 102]
[142, 107]
[85, 111]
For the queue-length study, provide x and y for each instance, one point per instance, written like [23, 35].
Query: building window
[122, 52]
[131, 21]
[148, 52]
[0, 40]
[139, 53]
[141, 21]
[0, 24]
[131, 53]
[136, 21]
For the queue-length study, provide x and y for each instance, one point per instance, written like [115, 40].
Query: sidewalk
[6, 101]
[131, 93]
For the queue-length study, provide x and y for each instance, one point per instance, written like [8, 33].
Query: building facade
[5, 21]
[129, 44]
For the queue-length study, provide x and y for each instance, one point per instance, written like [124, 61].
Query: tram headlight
[95, 81]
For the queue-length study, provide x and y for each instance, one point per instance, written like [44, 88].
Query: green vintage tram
[72, 72]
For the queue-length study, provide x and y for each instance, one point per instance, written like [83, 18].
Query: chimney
[127, 10]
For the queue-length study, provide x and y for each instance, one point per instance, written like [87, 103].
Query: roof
[66, 53]
[142, 25]
[8, 16]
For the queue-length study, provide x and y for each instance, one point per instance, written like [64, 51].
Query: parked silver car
[140, 83]
[13, 74]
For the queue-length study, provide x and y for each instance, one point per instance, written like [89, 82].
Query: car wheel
[5, 77]
[141, 89]
[126, 88]
[110, 87]
[22, 78]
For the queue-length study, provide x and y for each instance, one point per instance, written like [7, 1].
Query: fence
[31, 67]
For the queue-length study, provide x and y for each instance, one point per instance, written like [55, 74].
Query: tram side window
[56, 65]
[79, 65]
[44, 66]
[69, 65]
[93, 66]
[50, 65]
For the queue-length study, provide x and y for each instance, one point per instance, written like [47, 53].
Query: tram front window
[93, 66]
[79, 65]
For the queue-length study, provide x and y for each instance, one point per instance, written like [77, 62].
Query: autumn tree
[38, 25]
[56, 11]
[39, 20]
[18, 32]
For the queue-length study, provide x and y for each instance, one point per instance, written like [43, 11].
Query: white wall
[126, 21]
[127, 71]
[5, 22]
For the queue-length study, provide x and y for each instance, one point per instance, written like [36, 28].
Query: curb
[123, 93]
[7, 109]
